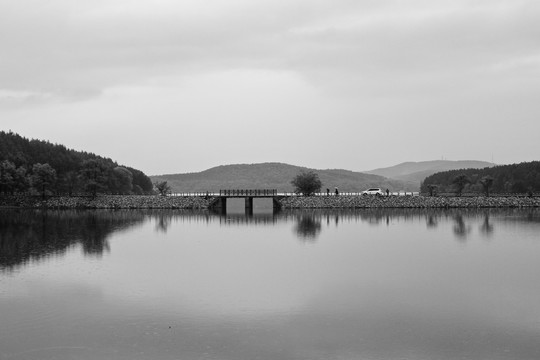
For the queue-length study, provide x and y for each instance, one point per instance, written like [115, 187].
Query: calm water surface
[357, 284]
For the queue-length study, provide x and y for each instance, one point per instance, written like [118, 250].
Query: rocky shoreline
[107, 202]
[295, 202]
[408, 202]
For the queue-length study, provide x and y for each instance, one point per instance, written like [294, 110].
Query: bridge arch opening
[259, 206]
[231, 200]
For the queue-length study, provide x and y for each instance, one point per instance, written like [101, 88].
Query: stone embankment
[294, 202]
[325, 202]
[107, 202]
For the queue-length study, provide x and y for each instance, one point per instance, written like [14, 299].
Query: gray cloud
[71, 49]
[409, 68]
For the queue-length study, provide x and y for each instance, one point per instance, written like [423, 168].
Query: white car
[373, 191]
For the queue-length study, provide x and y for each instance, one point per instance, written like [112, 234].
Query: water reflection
[308, 227]
[33, 235]
[431, 221]
[308, 224]
[462, 218]
[264, 219]
[461, 230]
[37, 234]
[487, 228]
[373, 284]
[163, 222]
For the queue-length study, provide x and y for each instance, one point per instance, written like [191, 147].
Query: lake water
[362, 284]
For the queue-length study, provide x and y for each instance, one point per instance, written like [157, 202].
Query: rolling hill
[416, 172]
[276, 176]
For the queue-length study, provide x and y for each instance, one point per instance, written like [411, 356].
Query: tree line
[40, 167]
[516, 178]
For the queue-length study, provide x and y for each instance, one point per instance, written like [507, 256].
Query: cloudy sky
[173, 86]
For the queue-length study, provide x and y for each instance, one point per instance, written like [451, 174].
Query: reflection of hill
[431, 216]
[373, 216]
[30, 235]
[33, 234]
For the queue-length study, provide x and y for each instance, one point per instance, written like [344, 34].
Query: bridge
[220, 201]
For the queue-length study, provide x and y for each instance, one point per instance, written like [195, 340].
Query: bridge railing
[194, 194]
[248, 192]
[284, 193]
[271, 192]
[349, 193]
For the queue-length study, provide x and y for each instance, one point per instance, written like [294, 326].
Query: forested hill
[275, 176]
[43, 167]
[515, 178]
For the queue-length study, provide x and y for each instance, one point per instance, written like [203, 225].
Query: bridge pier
[275, 204]
[249, 205]
[220, 204]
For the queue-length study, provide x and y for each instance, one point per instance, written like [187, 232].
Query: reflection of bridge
[220, 201]
[229, 220]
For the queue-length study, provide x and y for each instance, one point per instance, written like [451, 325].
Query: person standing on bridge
[337, 191]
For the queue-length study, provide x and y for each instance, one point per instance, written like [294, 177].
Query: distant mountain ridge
[416, 172]
[276, 176]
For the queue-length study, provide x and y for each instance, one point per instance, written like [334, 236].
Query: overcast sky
[174, 86]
